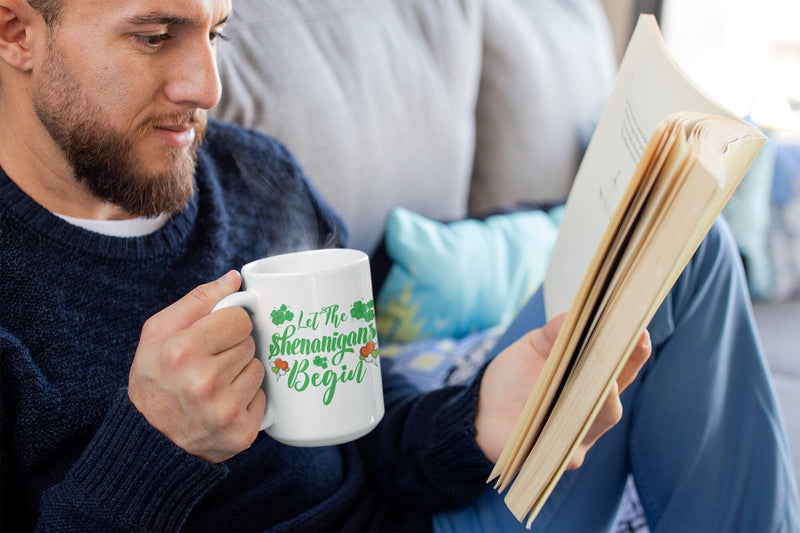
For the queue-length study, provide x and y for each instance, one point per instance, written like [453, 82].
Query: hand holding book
[508, 379]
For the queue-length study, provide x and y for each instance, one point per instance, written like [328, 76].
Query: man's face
[123, 90]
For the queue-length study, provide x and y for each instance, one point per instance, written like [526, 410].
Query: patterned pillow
[433, 363]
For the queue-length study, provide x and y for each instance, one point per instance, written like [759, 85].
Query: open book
[662, 163]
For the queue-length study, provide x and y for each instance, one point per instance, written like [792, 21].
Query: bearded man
[126, 404]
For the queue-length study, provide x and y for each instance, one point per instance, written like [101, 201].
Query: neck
[33, 161]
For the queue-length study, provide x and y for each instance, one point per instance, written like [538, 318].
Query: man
[126, 403]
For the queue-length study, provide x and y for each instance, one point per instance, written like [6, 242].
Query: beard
[103, 158]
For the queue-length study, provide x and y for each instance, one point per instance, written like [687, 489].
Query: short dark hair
[49, 9]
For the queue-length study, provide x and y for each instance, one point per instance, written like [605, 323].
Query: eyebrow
[166, 19]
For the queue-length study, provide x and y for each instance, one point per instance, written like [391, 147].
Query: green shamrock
[363, 311]
[281, 315]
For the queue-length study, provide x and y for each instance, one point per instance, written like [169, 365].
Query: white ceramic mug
[314, 326]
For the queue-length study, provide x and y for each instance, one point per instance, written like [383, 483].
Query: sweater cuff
[133, 472]
[454, 447]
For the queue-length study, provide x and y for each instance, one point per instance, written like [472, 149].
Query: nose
[194, 79]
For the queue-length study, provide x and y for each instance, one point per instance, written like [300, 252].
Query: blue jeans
[701, 432]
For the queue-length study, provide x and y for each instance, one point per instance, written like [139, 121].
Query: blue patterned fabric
[433, 363]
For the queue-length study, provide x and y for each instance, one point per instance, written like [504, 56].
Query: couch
[447, 108]
[778, 325]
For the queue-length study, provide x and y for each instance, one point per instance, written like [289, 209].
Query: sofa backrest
[439, 106]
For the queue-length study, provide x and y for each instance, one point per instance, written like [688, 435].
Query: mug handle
[248, 301]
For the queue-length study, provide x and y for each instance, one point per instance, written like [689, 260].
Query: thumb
[545, 337]
[197, 303]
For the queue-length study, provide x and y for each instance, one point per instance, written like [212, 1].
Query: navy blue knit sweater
[76, 454]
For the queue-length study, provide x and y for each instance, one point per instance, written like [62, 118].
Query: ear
[16, 19]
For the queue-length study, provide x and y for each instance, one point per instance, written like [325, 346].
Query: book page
[628, 121]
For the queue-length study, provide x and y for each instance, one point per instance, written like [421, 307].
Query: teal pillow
[748, 215]
[452, 279]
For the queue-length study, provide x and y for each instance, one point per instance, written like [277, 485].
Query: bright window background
[744, 53]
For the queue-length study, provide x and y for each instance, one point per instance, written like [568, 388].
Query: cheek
[120, 87]
[124, 95]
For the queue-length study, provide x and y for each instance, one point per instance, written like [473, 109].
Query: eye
[217, 35]
[153, 41]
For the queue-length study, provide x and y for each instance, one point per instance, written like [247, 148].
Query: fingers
[220, 353]
[256, 408]
[611, 411]
[252, 376]
[248, 379]
[224, 335]
[609, 415]
[230, 363]
[192, 307]
[237, 419]
[222, 329]
[219, 341]
[637, 359]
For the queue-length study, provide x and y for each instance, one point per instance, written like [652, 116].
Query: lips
[176, 135]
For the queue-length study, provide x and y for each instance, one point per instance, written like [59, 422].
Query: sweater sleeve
[428, 457]
[130, 477]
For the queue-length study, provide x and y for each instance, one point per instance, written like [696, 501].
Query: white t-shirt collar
[134, 227]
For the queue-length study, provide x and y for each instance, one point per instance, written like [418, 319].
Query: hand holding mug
[194, 377]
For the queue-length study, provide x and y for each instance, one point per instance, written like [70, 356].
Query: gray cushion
[777, 324]
[375, 98]
[548, 68]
